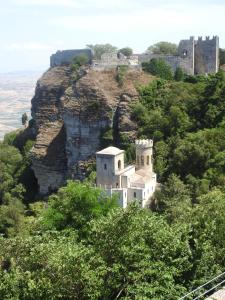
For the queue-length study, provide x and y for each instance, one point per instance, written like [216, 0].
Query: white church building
[134, 182]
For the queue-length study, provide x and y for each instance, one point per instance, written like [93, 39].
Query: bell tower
[144, 151]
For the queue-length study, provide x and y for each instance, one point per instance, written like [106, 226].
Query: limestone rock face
[72, 115]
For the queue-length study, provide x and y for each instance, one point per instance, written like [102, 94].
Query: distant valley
[16, 91]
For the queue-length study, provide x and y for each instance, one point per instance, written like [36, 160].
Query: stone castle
[134, 182]
[193, 56]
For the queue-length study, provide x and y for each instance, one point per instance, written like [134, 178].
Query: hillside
[77, 243]
[72, 117]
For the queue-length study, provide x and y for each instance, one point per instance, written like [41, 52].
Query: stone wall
[174, 61]
[112, 60]
[207, 55]
[66, 57]
[194, 57]
[183, 59]
[186, 55]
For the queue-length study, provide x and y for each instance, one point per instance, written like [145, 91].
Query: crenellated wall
[207, 55]
[194, 57]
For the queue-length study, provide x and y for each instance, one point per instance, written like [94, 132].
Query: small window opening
[119, 164]
[148, 160]
[142, 160]
[185, 53]
[105, 166]
[135, 195]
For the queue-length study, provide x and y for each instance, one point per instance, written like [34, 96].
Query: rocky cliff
[72, 116]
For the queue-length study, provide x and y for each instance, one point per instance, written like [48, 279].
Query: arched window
[148, 160]
[142, 160]
[119, 164]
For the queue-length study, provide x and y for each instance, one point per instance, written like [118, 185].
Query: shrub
[179, 74]
[158, 67]
[121, 73]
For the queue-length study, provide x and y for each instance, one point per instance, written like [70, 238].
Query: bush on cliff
[158, 67]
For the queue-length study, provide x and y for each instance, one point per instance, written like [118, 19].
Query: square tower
[109, 162]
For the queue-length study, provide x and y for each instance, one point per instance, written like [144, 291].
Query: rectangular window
[105, 166]
[135, 195]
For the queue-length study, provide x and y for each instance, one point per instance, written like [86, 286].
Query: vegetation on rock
[81, 245]
[158, 67]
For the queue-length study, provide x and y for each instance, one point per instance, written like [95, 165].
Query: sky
[31, 30]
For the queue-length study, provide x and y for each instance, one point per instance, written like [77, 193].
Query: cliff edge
[71, 116]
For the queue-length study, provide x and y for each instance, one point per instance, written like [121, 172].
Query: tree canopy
[100, 49]
[163, 48]
[158, 67]
[127, 51]
[78, 244]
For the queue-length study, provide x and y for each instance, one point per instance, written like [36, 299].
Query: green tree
[75, 205]
[130, 243]
[159, 67]
[50, 266]
[163, 48]
[100, 49]
[179, 74]
[24, 119]
[80, 60]
[126, 51]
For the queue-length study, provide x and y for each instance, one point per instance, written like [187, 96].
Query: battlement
[144, 144]
[207, 38]
[193, 56]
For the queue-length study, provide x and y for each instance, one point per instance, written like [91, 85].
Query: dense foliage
[158, 67]
[100, 49]
[163, 48]
[127, 51]
[79, 245]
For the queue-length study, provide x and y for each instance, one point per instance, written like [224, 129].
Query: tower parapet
[144, 154]
[144, 143]
[207, 55]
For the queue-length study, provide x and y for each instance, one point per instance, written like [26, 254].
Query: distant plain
[16, 92]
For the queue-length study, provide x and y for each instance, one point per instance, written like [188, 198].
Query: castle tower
[144, 151]
[109, 163]
[207, 55]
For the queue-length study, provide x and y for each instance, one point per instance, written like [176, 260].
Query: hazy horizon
[45, 26]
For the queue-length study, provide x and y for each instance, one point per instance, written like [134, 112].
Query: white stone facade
[132, 183]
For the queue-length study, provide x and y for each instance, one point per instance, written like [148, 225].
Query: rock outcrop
[70, 117]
